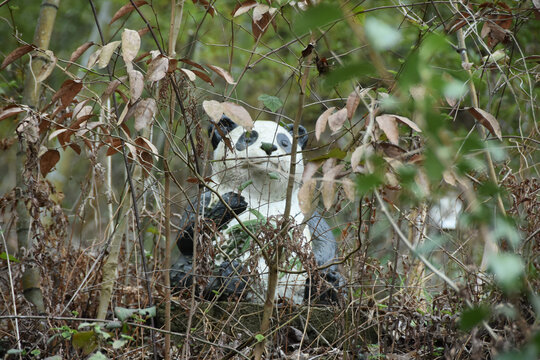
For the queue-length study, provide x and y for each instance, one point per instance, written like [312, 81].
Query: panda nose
[268, 148]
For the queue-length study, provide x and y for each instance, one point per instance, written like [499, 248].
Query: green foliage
[273, 103]
[473, 316]
[315, 17]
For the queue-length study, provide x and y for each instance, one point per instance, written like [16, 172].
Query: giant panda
[250, 170]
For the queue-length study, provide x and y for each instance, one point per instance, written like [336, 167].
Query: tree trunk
[42, 37]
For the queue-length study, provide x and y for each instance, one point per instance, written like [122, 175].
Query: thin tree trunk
[42, 36]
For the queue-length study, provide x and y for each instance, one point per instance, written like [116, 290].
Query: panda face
[261, 156]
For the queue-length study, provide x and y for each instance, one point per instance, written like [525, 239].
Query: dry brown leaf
[15, 54]
[305, 196]
[357, 156]
[136, 84]
[243, 8]
[328, 184]
[112, 87]
[320, 125]
[80, 50]
[352, 102]
[144, 154]
[47, 66]
[144, 113]
[157, 68]
[10, 111]
[106, 53]
[131, 43]
[387, 123]
[238, 114]
[489, 121]
[203, 76]
[214, 109]
[190, 74]
[126, 9]
[449, 178]
[67, 92]
[222, 73]
[47, 161]
[408, 122]
[337, 119]
[193, 63]
[94, 57]
[350, 188]
[310, 169]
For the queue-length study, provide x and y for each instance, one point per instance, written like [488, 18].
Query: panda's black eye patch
[246, 140]
[284, 142]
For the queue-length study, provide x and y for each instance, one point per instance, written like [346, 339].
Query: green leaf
[273, 175]
[315, 17]
[271, 102]
[245, 185]
[148, 312]
[368, 182]
[259, 337]
[113, 325]
[347, 72]
[86, 341]
[507, 269]
[473, 316]
[123, 314]
[117, 344]
[257, 214]
[98, 356]
[14, 352]
[336, 153]
[381, 35]
[54, 357]
[4, 256]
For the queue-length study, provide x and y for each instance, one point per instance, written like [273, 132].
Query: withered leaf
[112, 87]
[106, 53]
[47, 66]
[10, 111]
[144, 113]
[222, 73]
[193, 63]
[352, 103]
[489, 121]
[305, 195]
[136, 84]
[214, 109]
[337, 119]
[115, 145]
[80, 50]
[350, 188]
[67, 92]
[157, 69]
[15, 54]
[126, 9]
[131, 43]
[190, 74]
[238, 114]
[320, 125]
[243, 8]
[48, 160]
[203, 76]
[388, 124]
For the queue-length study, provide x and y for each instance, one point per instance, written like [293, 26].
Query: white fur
[266, 194]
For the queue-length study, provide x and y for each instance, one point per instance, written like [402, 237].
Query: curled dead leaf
[305, 196]
[106, 53]
[487, 120]
[238, 114]
[131, 43]
[48, 160]
[47, 66]
[214, 109]
[157, 69]
[222, 73]
[10, 111]
[320, 125]
[243, 8]
[16, 54]
[126, 9]
[350, 188]
[136, 84]
[337, 119]
[144, 113]
[80, 50]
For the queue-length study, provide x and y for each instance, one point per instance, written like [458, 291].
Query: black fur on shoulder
[225, 125]
[302, 134]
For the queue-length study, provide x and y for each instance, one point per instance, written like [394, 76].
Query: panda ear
[223, 127]
[302, 134]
